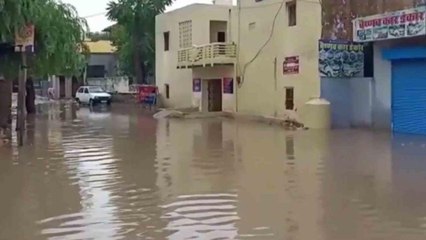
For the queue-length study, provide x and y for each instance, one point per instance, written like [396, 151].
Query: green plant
[134, 34]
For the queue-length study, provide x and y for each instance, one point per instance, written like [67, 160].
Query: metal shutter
[409, 96]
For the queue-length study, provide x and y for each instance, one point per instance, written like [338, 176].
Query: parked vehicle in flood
[92, 95]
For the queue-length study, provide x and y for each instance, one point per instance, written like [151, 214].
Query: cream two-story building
[259, 57]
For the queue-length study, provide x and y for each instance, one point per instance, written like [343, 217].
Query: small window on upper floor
[291, 12]
[166, 41]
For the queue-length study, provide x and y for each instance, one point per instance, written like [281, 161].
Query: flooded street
[121, 174]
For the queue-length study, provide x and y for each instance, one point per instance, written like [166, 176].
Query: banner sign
[400, 24]
[341, 59]
[24, 39]
[291, 65]
[228, 85]
[196, 85]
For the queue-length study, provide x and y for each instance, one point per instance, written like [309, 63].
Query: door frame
[205, 93]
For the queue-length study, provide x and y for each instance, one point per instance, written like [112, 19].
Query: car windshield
[96, 90]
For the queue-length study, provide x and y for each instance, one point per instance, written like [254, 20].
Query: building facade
[258, 58]
[396, 33]
[103, 61]
[191, 48]
[278, 55]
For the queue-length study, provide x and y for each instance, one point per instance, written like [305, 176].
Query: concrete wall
[263, 88]
[219, 72]
[112, 84]
[180, 80]
[381, 88]
[351, 101]
[107, 60]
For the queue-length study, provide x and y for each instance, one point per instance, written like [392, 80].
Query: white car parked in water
[92, 95]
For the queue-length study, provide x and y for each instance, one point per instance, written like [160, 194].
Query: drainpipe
[229, 26]
[237, 62]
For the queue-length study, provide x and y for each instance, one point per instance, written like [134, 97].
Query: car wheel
[78, 101]
[91, 102]
[109, 103]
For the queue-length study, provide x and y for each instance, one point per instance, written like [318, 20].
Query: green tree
[58, 40]
[134, 34]
[98, 36]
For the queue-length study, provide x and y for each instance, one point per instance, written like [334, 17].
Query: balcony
[207, 55]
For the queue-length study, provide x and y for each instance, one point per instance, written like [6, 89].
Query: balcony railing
[210, 54]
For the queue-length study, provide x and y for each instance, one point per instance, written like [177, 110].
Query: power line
[95, 15]
[265, 44]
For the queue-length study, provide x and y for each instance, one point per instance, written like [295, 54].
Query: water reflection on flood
[120, 174]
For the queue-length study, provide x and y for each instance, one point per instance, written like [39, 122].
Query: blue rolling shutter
[409, 96]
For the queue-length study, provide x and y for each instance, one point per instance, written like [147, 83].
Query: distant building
[102, 64]
[103, 67]
[260, 57]
[103, 60]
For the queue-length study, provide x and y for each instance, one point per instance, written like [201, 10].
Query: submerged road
[120, 174]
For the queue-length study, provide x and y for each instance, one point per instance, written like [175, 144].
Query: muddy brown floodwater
[120, 174]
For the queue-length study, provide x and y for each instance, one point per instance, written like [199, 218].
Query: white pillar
[56, 87]
[68, 87]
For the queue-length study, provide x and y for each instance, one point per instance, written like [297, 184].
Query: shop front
[399, 95]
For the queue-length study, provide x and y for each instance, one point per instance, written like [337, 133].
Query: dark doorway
[61, 86]
[221, 37]
[214, 91]
[289, 98]
[75, 85]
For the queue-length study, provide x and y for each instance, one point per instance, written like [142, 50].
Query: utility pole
[20, 120]
[24, 41]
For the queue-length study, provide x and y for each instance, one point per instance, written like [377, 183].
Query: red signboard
[291, 65]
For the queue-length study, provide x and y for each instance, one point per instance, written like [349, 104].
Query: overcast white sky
[99, 22]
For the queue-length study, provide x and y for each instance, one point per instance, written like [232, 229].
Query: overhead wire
[95, 15]
[264, 45]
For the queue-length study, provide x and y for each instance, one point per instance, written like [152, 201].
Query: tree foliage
[134, 34]
[59, 36]
[97, 36]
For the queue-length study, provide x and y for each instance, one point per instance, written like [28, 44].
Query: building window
[166, 41]
[291, 11]
[185, 34]
[96, 71]
[289, 98]
[167, 90]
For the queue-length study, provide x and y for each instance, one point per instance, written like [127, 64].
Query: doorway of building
[214, 93]
[61, 86]
[289, 98]
[221, 37]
